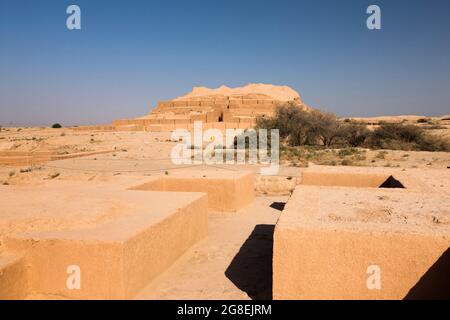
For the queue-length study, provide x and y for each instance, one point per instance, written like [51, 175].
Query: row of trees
[300, 127]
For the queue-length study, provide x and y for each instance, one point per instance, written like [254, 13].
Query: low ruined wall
[343, 179]
[224, 194]
[94, 128]
[13, 158]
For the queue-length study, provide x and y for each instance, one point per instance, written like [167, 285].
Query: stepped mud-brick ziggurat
[138, 226]
[221, 108]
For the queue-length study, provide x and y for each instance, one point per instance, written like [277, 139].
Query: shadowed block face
[359, 180]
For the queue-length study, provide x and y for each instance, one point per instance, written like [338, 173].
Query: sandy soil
[234, 262]
[144, 153]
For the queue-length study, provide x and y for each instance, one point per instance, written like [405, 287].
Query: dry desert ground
[140, 227]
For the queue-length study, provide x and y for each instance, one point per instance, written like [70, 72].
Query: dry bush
[292, 122]
[325, 127]
[298, 127]
[354, 134]
[405, 137]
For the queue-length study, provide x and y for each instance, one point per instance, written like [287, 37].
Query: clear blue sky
[130, 54]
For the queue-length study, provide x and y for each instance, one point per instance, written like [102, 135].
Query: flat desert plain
[65, 184]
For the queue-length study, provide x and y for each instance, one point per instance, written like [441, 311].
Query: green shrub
[56, 126]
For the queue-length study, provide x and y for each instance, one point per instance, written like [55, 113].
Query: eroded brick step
[13, 280]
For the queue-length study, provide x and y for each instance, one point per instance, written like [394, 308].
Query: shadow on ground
[251, 268]
[278, 205]
[435, 283]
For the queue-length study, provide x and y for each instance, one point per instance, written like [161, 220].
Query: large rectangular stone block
[360, 243]
[115, 259]
[229, 192]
